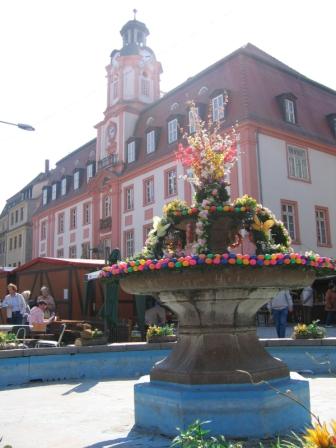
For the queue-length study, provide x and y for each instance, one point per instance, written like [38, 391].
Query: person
[155, 315]
[15, 304]
[280, 305]
[330, 304]
[36, 315]
[26, 295]
[51, 307]
[307, 301]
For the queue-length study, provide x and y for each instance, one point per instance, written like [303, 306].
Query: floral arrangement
[311, 331]
[208, 231]
[165, 330]
[320, 436]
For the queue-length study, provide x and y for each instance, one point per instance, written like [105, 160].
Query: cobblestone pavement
[97, 414]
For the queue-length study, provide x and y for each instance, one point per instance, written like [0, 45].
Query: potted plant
[89, 336]
[165, 333]
[311, 331]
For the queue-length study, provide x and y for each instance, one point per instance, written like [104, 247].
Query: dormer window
[54, 191]
[131, 152]
[45, 197]
[332, 123]
[217, 107]
[76, 180]
[172, 130]
[150, 142]
[90, 168]
[287, 103]
[64, 186]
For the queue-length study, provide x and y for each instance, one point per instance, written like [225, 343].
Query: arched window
[106, 207]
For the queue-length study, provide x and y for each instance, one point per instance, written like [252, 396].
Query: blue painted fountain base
[233, 410]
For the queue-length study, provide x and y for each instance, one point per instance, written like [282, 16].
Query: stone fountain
[218, 371]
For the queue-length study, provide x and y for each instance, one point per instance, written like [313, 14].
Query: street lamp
[25, 127]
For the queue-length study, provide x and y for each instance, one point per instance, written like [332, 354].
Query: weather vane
[135, 12]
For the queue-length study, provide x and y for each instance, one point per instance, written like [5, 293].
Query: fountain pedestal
[212, 371]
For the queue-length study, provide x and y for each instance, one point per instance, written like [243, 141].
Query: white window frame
[218, 108]
[193, 118]
[129, 243]
[73, 218]
[86, 213]
[60, 223]
[288, 216]
[76, 180]
[131, 152]
[150, 142]
[45, 197]
[64, 186]
[53, 192]
[145, 87]
[149, 191]
[298, 167]
[129, 198]
[72, 251]
[172, 130]
[171, 182]
[289, 110]
[89, 171]
[322, 227]
[106, 207]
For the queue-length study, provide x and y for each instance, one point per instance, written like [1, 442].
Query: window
[89, 171]
[20, 240]
[298, 163]
[146, 229]
[76, 180]
[63, 186]
[12, 218]
[145, 87]
[72, 252]
[44, 196]
[131, 152]
[129, 243]
[106, 207]
[73, 218]
[10, 243]
[150, 142]
[16, 216]
[129, 198]
[54, 192]
[289, 216]
[289, 111]
[60, 253]
[193, 118]
[86, 213]
[115, 87]
[148, 191]
[322, 226]
[60, 223]
[43, 230]
[170, 182]
[86, 250]
[172, 130]
[21, 214]
[15, 242]
[217, 108]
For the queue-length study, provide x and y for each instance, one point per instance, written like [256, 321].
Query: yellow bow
[262, 226]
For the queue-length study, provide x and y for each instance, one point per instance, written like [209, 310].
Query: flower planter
[158, 339]
[90, 341]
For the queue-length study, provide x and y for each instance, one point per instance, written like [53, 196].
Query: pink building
[105, 194]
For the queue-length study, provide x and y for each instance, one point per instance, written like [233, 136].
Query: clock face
[112, 131]
[146, 55]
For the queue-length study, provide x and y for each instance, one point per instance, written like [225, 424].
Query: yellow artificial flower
[318, 437]
[262, 226]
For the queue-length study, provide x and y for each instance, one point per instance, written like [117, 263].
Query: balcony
[105, 223]
[110, 160]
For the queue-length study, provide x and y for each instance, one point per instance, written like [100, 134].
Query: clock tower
[133, 82]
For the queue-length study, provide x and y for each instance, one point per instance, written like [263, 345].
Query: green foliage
[195, 436]
[7, 337]
[165, 330]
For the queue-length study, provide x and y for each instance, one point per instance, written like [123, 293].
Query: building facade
[105, 194]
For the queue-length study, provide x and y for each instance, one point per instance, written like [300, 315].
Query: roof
[79, 262]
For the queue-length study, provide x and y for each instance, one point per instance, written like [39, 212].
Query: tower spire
[135, 13]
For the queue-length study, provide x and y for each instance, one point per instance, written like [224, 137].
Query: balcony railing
[105, 223]
[108, 161]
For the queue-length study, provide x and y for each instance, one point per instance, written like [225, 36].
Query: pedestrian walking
[307, 301]
[280, 306]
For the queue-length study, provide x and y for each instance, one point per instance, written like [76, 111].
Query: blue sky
[54, 54]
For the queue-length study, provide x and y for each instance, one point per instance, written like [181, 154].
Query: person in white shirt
[156, 315]
[280, 305]
[307, 301]
[15, 304]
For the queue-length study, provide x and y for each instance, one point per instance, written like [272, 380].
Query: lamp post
[25, 127]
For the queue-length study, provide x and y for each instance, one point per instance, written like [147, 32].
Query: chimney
[46, 166]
